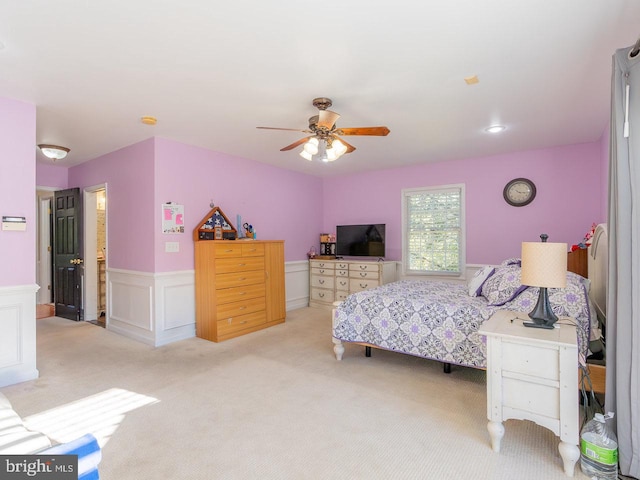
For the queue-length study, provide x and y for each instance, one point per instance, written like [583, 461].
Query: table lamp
[544, 265]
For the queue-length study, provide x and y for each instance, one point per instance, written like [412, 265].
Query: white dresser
[532, 374]
[333, 280]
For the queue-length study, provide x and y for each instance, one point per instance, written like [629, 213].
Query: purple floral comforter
[440, 320]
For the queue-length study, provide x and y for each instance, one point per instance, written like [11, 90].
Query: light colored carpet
[274, 404]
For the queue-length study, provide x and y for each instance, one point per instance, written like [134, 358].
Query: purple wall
[17, 191]
[131, 212]
[280, 204]
[48, 175]
[568, 201]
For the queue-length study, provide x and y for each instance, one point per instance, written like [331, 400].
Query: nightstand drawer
[530, 360]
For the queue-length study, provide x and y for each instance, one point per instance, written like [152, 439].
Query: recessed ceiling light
[495, 129]
[472, 80]
[149, 120]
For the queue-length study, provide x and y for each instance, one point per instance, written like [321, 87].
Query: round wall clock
[519, 192]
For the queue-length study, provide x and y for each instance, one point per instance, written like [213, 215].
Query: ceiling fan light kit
[325, 141]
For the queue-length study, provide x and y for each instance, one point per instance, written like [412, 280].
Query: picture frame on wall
[217, 233]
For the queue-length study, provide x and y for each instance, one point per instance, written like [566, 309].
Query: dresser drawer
[227, 249]
[328, 265]
[237, 279]
[322, 295]
[322, 281]
[341, 295]
[227, 310]
[240, 264]
[364, 267]
[342, 284]
[235, 324]
[322, 271]
[371, 275]
[356, 285]
[342, 273]
[250, 249]
[236, 294]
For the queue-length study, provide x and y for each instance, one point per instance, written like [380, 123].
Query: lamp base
[542, 315]
[538, 325]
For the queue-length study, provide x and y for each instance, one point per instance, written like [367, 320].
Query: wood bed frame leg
[338, 349]
[367, 351]
[447, 368]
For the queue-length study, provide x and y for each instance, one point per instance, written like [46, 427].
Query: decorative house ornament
[215, 226]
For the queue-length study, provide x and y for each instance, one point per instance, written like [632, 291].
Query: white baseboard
[18, 334]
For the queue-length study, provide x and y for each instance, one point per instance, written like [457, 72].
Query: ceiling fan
[325, 135]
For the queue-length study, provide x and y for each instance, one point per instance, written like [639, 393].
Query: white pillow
[478, 279]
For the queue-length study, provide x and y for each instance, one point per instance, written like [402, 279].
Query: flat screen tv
[360, 240]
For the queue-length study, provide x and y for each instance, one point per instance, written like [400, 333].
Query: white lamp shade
[306, 155]
[544, 264]
[339, 147]
[311, 146]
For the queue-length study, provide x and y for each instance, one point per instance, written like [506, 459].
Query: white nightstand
[532, 374]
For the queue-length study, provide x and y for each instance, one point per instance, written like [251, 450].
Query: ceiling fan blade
[287, 129]
[350, 148]
[295, 144]
[327, 119]
[379, 131]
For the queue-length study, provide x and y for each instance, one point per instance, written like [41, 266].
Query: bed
[439, 320]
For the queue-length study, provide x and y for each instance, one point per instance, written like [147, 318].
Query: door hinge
[49, 248]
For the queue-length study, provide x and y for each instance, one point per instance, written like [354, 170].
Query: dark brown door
[67, 262]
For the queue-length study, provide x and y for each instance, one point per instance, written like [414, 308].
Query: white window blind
[433, 228]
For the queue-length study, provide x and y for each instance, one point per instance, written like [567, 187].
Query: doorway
[44, 258]
[95, 254]
[94, 285]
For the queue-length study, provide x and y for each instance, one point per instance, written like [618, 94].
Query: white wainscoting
[18, 334]
[157, 309]
[296, 279]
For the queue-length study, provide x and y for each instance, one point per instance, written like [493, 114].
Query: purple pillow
[504, 285]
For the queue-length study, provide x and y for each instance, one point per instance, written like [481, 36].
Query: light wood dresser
[239, 287]
[334, 280]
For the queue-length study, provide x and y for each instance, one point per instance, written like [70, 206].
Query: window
[433, 230]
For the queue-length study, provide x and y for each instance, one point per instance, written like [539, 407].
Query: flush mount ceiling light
[495, 129]
[54, 152]
[147, 120]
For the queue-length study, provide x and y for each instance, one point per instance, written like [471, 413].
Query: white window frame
[406, 194]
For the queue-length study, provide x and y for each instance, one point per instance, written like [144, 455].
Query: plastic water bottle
[599, 449]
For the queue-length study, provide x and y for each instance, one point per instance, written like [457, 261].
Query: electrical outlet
[171, 247]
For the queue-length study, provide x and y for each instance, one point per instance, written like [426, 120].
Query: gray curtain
[623, 298]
